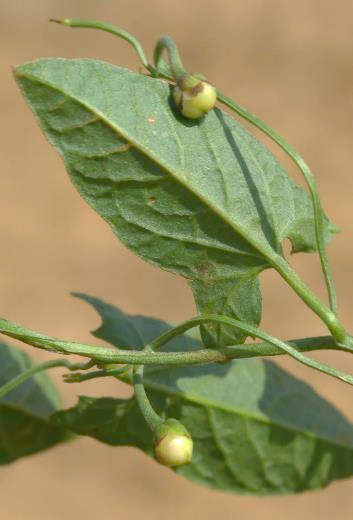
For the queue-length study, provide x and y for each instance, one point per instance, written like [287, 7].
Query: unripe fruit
[173, 446]
[194, 96]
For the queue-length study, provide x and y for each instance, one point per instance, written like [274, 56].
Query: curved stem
[256, 333]
[104, 355]
[30, 372]
[176, 66]
[151, 417]
[167, 358]
[241, 351]
[112, 29]
[248, 350]
[304, 168]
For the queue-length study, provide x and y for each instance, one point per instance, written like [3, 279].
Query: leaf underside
[257, 429]
[203, 199]
[24, 412]
[280, 438]
[133, 331]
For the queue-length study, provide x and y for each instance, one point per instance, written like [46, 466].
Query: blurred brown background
[289, 63]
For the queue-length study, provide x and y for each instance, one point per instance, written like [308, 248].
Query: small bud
[173, 445]
[194, 96]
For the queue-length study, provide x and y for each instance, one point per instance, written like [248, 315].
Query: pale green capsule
[194, 101]
[174, 445]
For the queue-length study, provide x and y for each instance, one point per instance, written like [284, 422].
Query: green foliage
[204, 200]
[279, 438]
[256, 428]
[24, 412]
[124, 330]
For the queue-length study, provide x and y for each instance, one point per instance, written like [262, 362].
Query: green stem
[240, 351]
[256, 333]
[312, 301]
[151, 417]
[30, 372]
[78, 377]
[232, 352]
[176, 66]
[112, 29]
[108, 355]
[168, 358]
[268, 349]
[309, 178]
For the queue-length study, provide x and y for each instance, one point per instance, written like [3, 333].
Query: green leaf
[256, 429]
[24, 412]
[117, 422]
[205, 200]
[130, 331]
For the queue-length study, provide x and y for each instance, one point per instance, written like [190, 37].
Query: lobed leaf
[204, 199]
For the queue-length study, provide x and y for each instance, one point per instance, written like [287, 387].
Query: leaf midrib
[264, 249]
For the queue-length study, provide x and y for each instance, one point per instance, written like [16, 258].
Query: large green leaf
[24, 412]
[256, 429]
[205, 200]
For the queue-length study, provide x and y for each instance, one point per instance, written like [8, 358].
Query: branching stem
[105, 355]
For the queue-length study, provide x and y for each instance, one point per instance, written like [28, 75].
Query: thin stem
[267, 349]
[108, 355]
[256, 333]
[232, 352]
[151, 417]
[176, 66]
[112, 29]
[347, 344]
[168, 358]
[247, 350]
[78, 377]
[30, 372]
[304, 168]
[312, 301]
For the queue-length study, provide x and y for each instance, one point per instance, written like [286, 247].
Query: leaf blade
[256, 429]
[133, 330]
[24, 412]
[204, 200]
